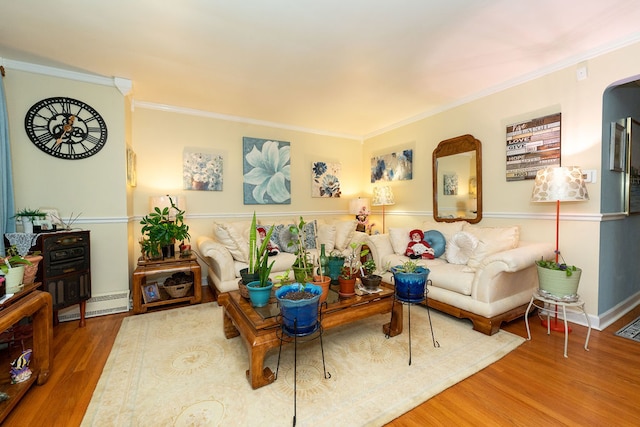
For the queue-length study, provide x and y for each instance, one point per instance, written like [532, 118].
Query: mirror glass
[457, 180]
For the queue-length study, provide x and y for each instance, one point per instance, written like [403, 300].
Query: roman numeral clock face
[65, 128]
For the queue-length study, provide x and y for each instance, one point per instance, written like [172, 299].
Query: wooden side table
[540, 301]
[159, 270]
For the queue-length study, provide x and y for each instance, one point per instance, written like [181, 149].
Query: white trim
[98, 305]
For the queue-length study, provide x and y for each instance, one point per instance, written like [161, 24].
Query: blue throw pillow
[436, 240]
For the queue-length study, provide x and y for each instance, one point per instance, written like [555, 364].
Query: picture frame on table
[150, 292]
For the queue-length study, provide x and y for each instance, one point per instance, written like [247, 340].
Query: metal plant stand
[411, 300]
[286, 335]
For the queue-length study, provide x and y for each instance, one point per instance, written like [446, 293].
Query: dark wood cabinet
[65, 270]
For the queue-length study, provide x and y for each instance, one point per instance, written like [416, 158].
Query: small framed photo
[150, 292]
[618, 146]
[44, 224]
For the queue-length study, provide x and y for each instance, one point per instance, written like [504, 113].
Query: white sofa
[226, 250]
[486, 274]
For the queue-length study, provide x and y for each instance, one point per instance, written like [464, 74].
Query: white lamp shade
[383, 196]
[563, 184]
[359, 206]
[164, 202]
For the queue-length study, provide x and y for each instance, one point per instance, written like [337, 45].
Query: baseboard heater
[98, 305]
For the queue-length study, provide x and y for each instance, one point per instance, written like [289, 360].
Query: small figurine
[272, 248]
[417, 247]
[20, 367]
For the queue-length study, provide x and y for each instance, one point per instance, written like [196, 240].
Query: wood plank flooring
[533, 385]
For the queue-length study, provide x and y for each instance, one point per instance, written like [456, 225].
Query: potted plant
[12, 267]
[410, 281]
[27, 216]
[558, 279]
[259, 290]
[161, 229]
[303, 265]
[250, 274]
[349, 273]
[370, 280]
[335, 261]
[299, 306]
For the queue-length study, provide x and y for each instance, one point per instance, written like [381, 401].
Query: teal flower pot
[334, 264]
[299, 317]
[259, 295]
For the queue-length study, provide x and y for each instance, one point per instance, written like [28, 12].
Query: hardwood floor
[533, 385]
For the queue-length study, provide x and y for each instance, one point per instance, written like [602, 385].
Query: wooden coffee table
[259, 332]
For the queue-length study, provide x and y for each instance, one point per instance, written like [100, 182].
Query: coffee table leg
[257, 374]
[394, 327]
[230, 331]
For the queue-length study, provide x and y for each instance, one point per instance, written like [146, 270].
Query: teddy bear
[417, 247]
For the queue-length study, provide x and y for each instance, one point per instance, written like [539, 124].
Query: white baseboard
[98, 305]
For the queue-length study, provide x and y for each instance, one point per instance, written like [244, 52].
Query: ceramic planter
[259, 295]
[347, 287]
[13, 279]
[334, 265]
[299, 317]
[372, 282]
[324, 282]
[410, 287]
[557, 283]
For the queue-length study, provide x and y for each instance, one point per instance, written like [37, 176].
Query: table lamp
[361, 209]
[383, 196]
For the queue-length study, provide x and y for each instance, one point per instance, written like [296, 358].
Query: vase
[27, 224]
[410, 287]
[325, 283]
[334, 264]
[323, 261]
[169, 251]
[300, 316]
[557, 283]
[347, 287]
[259, 295]
[14, 279]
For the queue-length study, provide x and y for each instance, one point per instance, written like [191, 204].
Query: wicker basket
[244, 292]
[178, 291]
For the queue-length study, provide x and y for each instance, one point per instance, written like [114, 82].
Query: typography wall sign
[531, 146]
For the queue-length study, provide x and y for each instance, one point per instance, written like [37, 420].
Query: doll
[417, 247]
[272, 248]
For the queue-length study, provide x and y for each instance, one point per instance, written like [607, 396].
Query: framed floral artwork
[202, 171]
[266, 168]
[325, 179]
[397, 166]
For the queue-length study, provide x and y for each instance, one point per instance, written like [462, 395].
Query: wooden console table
[38, 305]
[166, 267]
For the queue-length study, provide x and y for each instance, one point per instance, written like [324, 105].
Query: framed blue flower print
[325, 179]
[266, 171]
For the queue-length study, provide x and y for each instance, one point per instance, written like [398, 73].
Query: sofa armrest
[217, 257]
[380, 247]
[519, 258]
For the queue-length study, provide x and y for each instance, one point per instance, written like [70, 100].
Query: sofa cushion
[399, 239]
[235, 237]
[461, 247]
[448, 229]
[287, 241]
[492, 240]
[344, 233]
[436, 240]
[327, 236]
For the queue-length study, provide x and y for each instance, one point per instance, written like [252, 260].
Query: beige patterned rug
[176, 368]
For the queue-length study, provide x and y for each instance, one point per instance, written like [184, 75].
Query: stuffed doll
[272, 248]
[417, 247]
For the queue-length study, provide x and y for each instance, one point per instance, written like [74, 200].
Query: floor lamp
[382, 196]
[559, 184]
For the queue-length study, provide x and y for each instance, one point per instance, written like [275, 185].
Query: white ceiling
[350, 67]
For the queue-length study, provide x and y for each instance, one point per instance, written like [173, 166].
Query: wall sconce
[361, 209]
[383, 196]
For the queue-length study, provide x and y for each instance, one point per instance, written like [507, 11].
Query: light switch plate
[589, 176]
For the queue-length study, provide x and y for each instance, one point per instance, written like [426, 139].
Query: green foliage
[407, 267]
[12, 261]
[30, 213]
[158, 229]
[259, 256]
[552, 265]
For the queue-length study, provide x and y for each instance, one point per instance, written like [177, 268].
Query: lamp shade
[359, 206]
[383, 196]
[164, 202]
[564, 184]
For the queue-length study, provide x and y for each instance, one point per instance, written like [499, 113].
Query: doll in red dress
[417, 247]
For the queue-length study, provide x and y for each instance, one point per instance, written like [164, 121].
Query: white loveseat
[226, 251]
[485, 274]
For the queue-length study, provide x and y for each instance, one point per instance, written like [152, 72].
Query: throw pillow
[399, 239]
[327, 235]
[492, 240]
[231, 237]
[344, 233]
[287, 241]
[460, 247]
[309, 233]
[436, 240]
[448, 229]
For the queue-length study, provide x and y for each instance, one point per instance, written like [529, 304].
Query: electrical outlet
[589, 176]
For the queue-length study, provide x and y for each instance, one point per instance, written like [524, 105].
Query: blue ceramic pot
[299, 317]
[259, 295]
[334, 264]
[410, 287]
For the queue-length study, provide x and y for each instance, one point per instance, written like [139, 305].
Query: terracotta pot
[30, 271]
[347, 287]
[324, 282]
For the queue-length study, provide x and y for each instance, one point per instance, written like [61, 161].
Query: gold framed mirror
[457, 180]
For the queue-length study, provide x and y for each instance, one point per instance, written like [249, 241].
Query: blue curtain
[7, 206]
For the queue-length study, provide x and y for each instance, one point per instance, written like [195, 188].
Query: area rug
[176, 368]
[631, 331]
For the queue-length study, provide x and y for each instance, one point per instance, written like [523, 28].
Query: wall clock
[65, 128]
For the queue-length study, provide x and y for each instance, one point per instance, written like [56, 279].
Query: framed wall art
[533, 145]
[633, 171]
[201, 170]
[618, 146]
[325, 179]
[132, 178]
[397, 166]
[266, 167]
